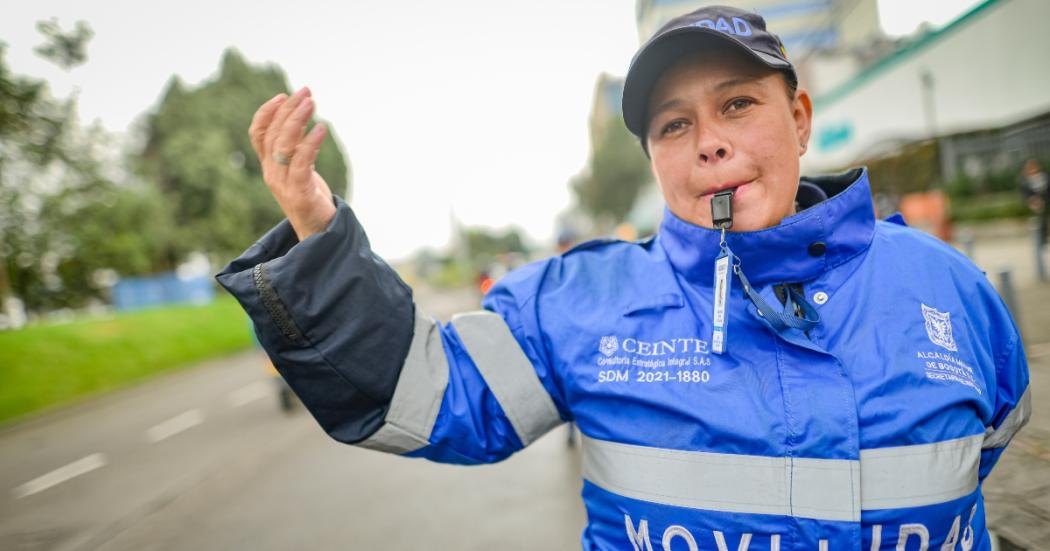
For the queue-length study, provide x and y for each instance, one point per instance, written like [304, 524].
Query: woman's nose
[711, 147]
[719, 153]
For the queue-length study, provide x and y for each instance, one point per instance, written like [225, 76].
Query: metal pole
[1006, 290]
[967, 241]
[929, 103]
[1037, 239]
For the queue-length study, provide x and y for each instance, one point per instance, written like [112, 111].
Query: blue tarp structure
[141, 292]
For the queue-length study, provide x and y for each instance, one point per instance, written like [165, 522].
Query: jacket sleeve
[341, 327]
[335, 320]
[1013, 401]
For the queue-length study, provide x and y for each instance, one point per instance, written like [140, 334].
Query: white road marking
[175, 425]
[60, 475]
[249, 393]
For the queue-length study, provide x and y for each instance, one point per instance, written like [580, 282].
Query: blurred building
[827, 40]
[980, 85]
[803, 25]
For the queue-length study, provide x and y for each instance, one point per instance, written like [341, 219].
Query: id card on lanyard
[722, 217]
[723, 280]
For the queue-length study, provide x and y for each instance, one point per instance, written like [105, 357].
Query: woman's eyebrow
[736, 82]
[665, 106]
[721, 86]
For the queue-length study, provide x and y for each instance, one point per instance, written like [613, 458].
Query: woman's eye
[739, 103]
[673, 126]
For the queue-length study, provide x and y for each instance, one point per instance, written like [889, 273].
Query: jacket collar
[789, 252]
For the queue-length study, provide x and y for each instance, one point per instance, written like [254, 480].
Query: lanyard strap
[786, 319]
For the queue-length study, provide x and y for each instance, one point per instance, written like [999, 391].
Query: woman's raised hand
[287, 157]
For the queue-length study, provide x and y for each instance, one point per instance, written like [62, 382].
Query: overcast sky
[472, 109]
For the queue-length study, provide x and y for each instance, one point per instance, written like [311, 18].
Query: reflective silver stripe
[997, 438]
[508, 373]
[923, 474]
[823, 489]
[391, 439]
[417, 397]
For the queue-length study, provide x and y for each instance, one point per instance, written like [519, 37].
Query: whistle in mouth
[722, 209]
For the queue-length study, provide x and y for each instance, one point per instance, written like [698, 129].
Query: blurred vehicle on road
[286, 399]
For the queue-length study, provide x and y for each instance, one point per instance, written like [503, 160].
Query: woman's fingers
[261, 120]
[277, 127]
[311, 195]
[291, 132]
[282, 114]
[305, 154]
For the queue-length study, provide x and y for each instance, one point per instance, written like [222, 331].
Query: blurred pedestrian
[1035, 187]
[774, 370]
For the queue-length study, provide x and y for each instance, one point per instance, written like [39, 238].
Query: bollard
[1006, 290]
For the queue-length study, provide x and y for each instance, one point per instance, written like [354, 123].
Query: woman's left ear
[802, 110]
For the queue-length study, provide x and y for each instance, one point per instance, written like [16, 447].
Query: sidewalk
[1017, 493]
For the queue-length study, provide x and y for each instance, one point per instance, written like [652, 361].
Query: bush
[1003, 180]
[989, 206]
[914, 169]
[961, 186]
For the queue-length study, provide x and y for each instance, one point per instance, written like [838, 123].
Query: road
[204, 459]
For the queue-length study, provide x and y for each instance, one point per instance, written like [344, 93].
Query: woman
[774, 370]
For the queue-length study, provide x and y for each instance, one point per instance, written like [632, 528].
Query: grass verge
[48, 365]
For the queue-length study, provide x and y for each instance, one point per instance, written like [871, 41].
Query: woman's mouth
[737, 187]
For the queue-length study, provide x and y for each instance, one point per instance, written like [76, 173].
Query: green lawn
[47, 365]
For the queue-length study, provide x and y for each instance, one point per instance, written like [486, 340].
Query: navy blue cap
[688, 34]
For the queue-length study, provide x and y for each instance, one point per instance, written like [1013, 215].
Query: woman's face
[724, 121]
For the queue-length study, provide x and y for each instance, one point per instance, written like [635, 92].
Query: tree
[62, 220]
[198, 155]
[615, 173]
[35, 160]
[67, 218]
[65, 50]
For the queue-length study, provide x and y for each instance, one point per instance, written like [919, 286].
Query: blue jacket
[870, 429]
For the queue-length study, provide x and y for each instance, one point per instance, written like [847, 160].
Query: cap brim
[660, 54]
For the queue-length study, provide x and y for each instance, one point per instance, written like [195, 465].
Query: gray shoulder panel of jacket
[508, 373]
